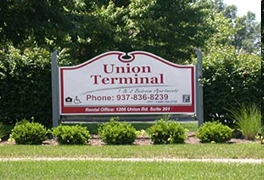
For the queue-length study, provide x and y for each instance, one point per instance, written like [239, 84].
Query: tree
[161, 27]
[44, 22]
[25, 85]
[247, 36]
[230, 77]
[88, 28]
[82, 29]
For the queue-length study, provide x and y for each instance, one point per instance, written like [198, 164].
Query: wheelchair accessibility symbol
[77, 100]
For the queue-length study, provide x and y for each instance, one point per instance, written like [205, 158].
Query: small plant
[260, 135]
[248, 120]
[165, 117]
[167, 132]
[29, 133]
[141, 133]
[66, 134]
[214, 132]
[117, 133]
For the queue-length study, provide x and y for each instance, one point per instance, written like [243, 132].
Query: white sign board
[134, 83]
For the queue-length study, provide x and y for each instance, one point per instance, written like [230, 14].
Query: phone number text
[128, 97]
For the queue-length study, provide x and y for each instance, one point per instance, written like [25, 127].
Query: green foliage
[167, 132]
[161, 28]
[88, 28]
[25, 85]
[29, 133]
[248, 120]
[80, 30]
[117, 133]
[43, 22]
[229, 79]
[141, 133]
[246, 37]
[231, 68]
[262, 135]
[214, 132]
[71, 134]
[3, 131]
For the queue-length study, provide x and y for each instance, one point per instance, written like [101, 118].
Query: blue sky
[243, 6]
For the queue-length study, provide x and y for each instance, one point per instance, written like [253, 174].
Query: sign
[134, 83]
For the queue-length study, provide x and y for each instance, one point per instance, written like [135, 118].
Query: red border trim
[128, 109]
[81, 110]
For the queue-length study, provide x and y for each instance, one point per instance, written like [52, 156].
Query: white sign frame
[107, 85]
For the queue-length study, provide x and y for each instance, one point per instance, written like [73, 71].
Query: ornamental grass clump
[214, 132]
[31, 133]
[117, 133]
[69, 135]
[167, 132]
[248, 120]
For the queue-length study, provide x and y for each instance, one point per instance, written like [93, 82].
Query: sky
[243, 6]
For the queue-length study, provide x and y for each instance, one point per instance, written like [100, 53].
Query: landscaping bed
[141, 140]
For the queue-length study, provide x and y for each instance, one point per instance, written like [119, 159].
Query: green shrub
[25, 85]
[66, 134]
[248, 120]
[117, 133]
[30, 133]
[229, 79]
[167, 132]
[214, 132]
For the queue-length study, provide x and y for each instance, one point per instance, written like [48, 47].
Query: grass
[129, 170]
[191, 151]
[96, 169]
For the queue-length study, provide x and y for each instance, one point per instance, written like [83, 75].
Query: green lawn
[129, 170]
[81, 169]
[191, 151]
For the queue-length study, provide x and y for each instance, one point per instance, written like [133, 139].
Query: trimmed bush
[25, 84]
[117, 133]
[167, 132]
[66, 134]
[214, 132]
[230, 79]
[30, 133]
